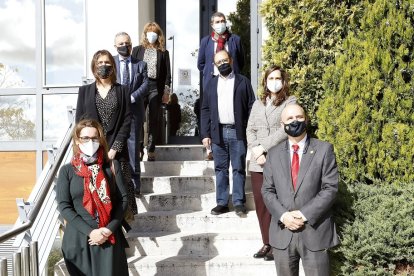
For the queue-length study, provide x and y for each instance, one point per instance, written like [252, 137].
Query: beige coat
[263, 128]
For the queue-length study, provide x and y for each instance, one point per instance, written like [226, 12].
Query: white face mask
[152, 37]
[274, 85]
[219, 28]
[89, 148]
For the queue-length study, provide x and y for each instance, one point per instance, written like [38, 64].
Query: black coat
[163, 67]
[120, 125]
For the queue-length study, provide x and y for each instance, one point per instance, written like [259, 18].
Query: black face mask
[225, 69]
[124, 50]
[295, 128]
[104, 71]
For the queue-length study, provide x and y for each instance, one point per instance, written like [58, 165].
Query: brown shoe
[262, 252]
[209, 156]
[151, 156]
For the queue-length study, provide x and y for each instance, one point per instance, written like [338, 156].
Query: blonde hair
[153, 27]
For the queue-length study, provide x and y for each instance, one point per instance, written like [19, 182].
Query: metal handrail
[45, 189]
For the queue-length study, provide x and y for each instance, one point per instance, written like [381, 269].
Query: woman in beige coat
[264, 132]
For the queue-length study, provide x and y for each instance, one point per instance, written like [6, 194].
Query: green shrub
[240, 21]
[368, 110]
[378, 238]
[305, 36]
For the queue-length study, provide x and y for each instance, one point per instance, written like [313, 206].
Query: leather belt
[227, 126]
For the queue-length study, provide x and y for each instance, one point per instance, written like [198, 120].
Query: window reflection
[17, 44]
[17, 115]
[65, 42]
[55, 112]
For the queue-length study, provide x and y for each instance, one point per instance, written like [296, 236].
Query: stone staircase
[174, 232]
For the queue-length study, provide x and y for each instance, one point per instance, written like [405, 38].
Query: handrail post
[25, 261]
[17, 264]
[3, 267]
[34, 259]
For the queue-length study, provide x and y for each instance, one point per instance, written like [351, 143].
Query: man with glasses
[132, 73]
[227, 101]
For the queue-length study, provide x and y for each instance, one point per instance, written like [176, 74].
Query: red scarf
[93, 201]
[220, 39]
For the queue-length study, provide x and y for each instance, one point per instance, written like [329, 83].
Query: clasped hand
[99, 236]
[293, 220]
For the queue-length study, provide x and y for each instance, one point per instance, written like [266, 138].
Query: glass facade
[17, 115]
[17, 44]
[17, 178]
[64, 46]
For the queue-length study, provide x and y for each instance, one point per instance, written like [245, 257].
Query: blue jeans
[234, 151]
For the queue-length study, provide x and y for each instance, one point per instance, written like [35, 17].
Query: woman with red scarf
[92, 199]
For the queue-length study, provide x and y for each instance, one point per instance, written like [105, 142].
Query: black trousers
[153, 112]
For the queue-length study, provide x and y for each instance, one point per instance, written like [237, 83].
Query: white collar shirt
[225, 98]
[122, 65]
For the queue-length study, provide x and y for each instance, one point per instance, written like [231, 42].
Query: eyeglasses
[222, 61]
[86, 139]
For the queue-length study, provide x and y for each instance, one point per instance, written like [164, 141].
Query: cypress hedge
[368, 110]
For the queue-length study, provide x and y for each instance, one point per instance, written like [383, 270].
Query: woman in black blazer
[152, 51]
[109, 103]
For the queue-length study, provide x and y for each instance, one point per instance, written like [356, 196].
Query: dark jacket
[243, 99]
[138, 87]
[163, 67]
[120, 125]
[205, 61]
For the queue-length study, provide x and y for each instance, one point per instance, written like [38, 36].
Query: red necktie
[295, 165]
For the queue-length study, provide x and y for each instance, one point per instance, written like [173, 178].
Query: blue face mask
[295, 128]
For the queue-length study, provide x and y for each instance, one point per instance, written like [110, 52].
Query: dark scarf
[220, 39]
[96, 194]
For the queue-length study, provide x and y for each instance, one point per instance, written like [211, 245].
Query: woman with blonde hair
[263, 132]
[92, 199]
[152, 51]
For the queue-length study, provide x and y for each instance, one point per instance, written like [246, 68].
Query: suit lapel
[307, 156]
[285, 161]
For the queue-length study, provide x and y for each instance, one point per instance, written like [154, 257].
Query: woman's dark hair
[94, 65]
[283, 94]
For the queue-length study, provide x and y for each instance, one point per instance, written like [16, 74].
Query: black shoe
[219, 209]
[269, 256]
[137, 193]
[262, 251]
[240, 210]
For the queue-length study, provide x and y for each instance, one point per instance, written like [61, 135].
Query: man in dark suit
[226, 105]
[299, 188]
[220, 39]
[132, 73]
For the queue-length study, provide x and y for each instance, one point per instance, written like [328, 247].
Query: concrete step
[183, 184]
[180, 152]
[178, 184]
[200, 266]
[177, 168]
[200, 221]
[185, 202]
[194, 244]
